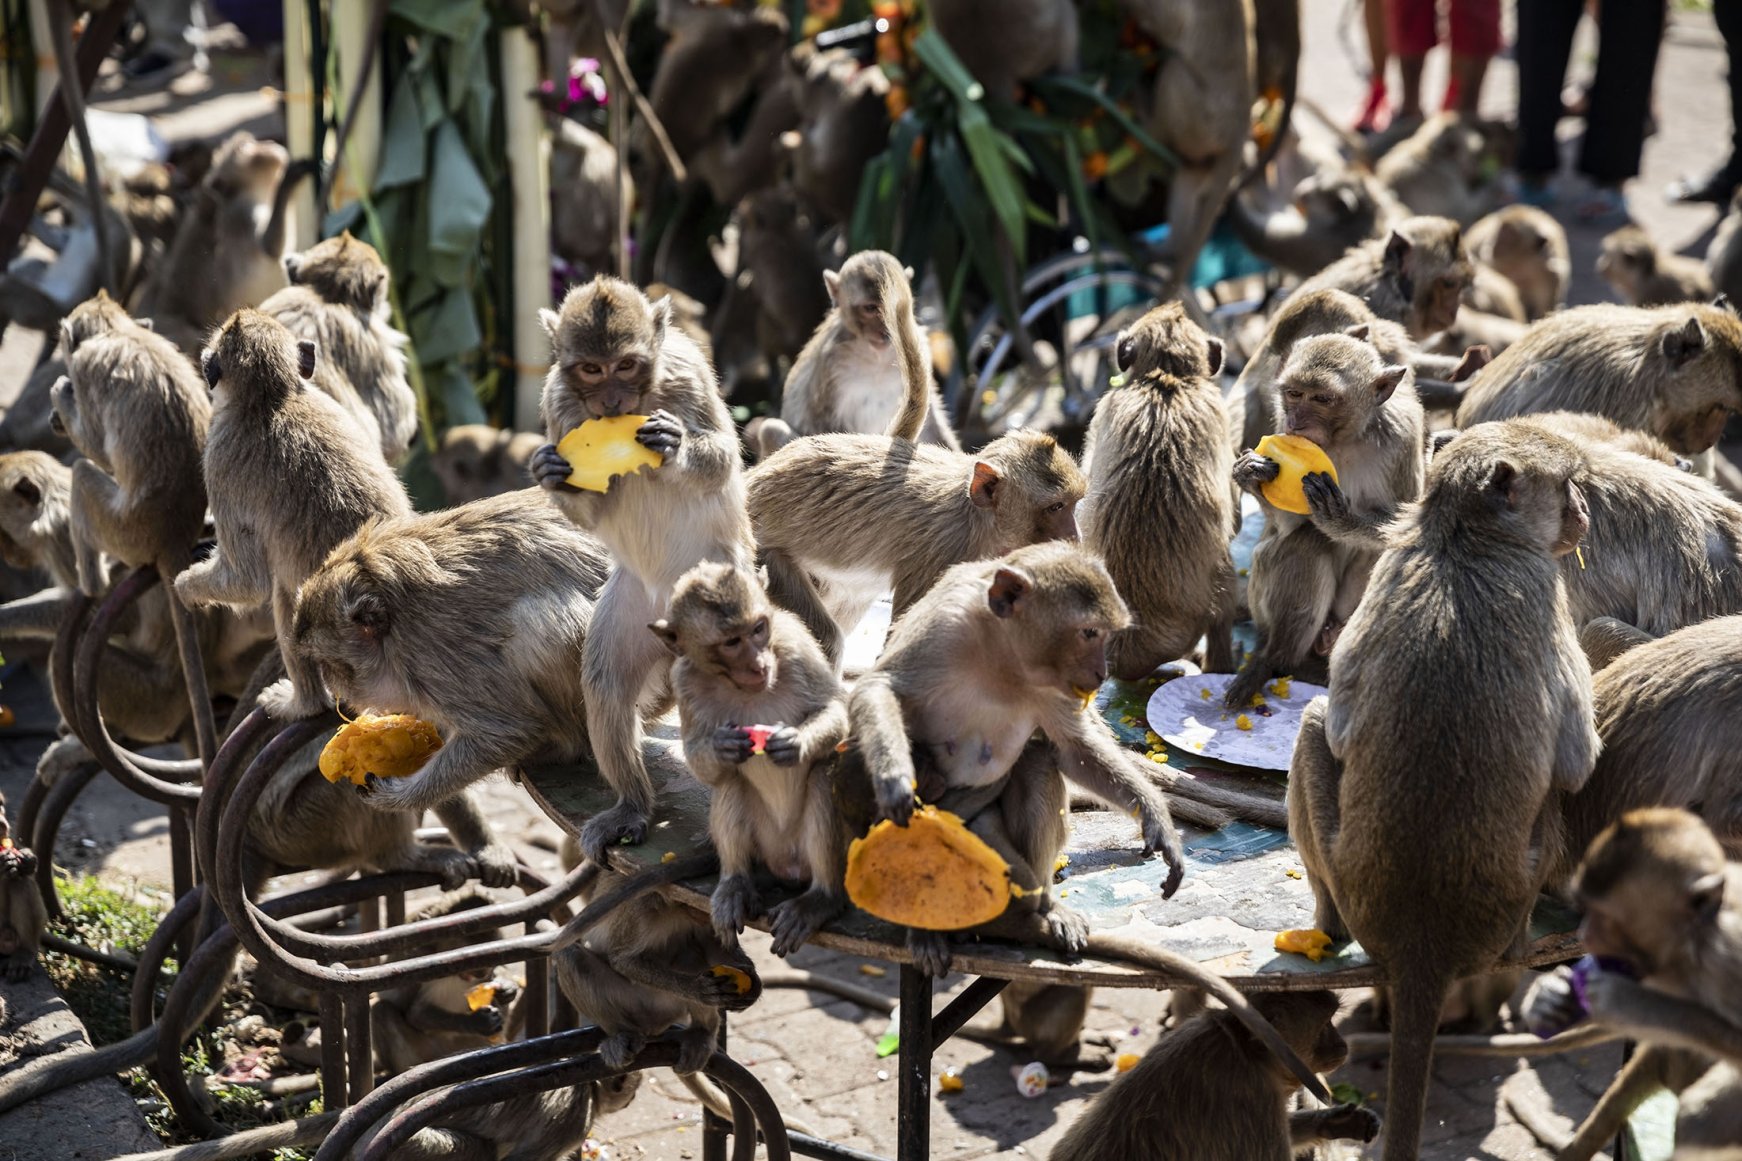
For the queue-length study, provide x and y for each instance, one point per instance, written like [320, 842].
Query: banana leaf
[1076, 86]
[401, 160]
[459, 205]
[951, 167]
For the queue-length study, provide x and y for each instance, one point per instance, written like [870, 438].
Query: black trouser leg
[1627, 40]
[1728, 13]
[1545, 41]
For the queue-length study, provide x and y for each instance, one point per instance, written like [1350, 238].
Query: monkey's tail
[915, 377]
[26, 1085]
[1418, 994]
[1241, 804]
[285, 1135]
[639, 883]
[1160, 959]
[715, 1101]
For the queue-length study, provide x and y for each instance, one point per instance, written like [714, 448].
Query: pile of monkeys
[1554, 531]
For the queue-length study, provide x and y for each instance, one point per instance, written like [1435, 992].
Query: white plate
[1194, 724]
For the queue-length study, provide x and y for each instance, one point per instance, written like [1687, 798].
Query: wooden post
[354, 173]
[300, 90]
[529, 181]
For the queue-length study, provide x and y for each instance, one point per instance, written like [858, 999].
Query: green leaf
[458, 206]
[445, 18]
[937, 56]
[1001, 187]
[402, 144]
[971, 212]
[447, 329]
[1082, 88]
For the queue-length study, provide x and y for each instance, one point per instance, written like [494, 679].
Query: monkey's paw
[1551, 1005]
[734, 904]
[283, 703]
[452, 867]
[895, 799]
[60, 759]
[622, 823]
[930, 951]
[1618, 1001]
[732, 744]
[550, 471]
[1252, 470]
[696, 1049]
[796, 920]
[1329, 505]
[718, 988]
[1247, 682]
[497, 866]
[618, 1050]
[1067, 929]
[661, 433]
[782, 746]
[486, 1021]
[1349, 1123]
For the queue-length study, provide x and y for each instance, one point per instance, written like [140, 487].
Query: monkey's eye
[1294, 393]
[1322, 399]
[1052, 509]
[214, 370]
[1090, 634]
[760, 629]
[732, 642]
[628, 366]
[592, 369]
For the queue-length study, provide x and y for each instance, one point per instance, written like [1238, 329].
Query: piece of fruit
[1299, 458]
[385, 745]
[759, 738]
[1242, 722]
[1126, 1061]
[950, 1080]
[481, 996]
[7, 717]
[1300, 941]
[602, 449]
[1033, 1079]
[742, 979]
[934, 873]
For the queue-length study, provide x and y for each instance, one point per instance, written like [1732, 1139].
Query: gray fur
[1642, 274]
[1528, 247]
[1415, 275]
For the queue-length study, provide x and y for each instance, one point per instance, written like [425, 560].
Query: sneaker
[1603, 206]
[1716, 187]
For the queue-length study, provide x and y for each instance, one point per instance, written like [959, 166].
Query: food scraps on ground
[1301, 941]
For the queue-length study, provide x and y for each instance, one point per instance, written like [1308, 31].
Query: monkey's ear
[1397, 249]
[1214, 347]
[983, 488]
[1684, 344]
[1503, 482]
[305, 358]
[666, 634]
[368, 611]
[27, 490]
[1706, 896]
[832, 283]
[1361, 331]
[1436, 443]
[293, 267]
[1722, 302]
[1346, 197]
[1386, 382]
[908, 270]
[549, 319]
[661, 318]
[1475, 358]
[1005, 595]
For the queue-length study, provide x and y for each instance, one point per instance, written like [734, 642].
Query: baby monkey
[22, 915]
[740, 662]
[1643, 275]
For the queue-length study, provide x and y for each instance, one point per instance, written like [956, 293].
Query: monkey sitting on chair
[742, 662]
[24, 917]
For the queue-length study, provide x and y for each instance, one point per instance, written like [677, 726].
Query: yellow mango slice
[741, 979]
[1126, 1061]
[1299, 458]
[1311, 944]
[601, 449]
[481, 996]
[933, 874]
[385, 745]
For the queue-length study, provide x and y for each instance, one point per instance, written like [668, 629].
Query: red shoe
[1375, 110]
[1451, 100]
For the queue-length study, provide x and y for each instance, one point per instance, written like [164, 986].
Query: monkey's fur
[338, 298]
[778, 250]
[137, 412]
[1658, 895]
[615, 353]
[843, 124]
[1332, 211]
[1644, 275]
[739, 662]
[1438, 169]
[1674, 371]
[1724, 255]
[864, 513]
[417, 614]
[476, 460]
[1415, 275]
[867, 368]
[1529, 247]
[1209, 1091]
[291, 475]
[22, 914]
[1308, 572]
[1159, 509]
[1003, 42]
[1376, 771]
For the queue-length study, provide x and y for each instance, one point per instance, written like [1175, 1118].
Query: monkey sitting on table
[1660, 899]
[22, 914]
[742, 662]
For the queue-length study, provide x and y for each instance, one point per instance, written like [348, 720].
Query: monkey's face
[1033, 487]
[1436, 302]
[739, 652]
[342, 622]
[611, 383]
[1060, 608]
[1313, 406]
[1651, 888]
[1574, 518]
[20, 507]
[77, 416]
[252, 170]
[615, 1092]
[864, 317]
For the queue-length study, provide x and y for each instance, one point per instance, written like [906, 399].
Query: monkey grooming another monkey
[615, 353]
[1209, 1091]
[1528, 247]
[338, 298]
[845, 378]
[291, 475]
[741, 662]
[476, 460]
[1308, 572]
[23, 918]
[863, 514]
[1377, 772]
[1659, 897]
[1414, 276]
[1674, 371]
[1643, 275]
[1159, 509]
[136, 411]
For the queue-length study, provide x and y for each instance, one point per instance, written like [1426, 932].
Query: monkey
[1005, 42]
[1644, 275]
[29, 423]
[1210, 1092]
[25, 917]
[1529, 247]
[36, 515]
[404, 617]
[777, 247]
[1308, 572]
[1659, 897]
[1724, 255]
[266, 431]
[1492, 293]
[1440, 169]
[687, 315]
[338, 298]
[1673, 371]
[841, 123]
[759, 154]
[866, 362]
[1586, 429]
[1433, 903]
[1414, 276]
[1477, 328]
[1332, 211]
[647, 966]
[476, 460]
[1159, 509]
[615, 353]
[584, 194]
[223, 257]
[865, 513]
[716, 56]
[740, 661]
[133, 407]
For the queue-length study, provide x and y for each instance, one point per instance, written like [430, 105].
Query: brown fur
[1414, 276]
[1673, 371]
[583, 195]
[1438, 169]
[843, 122]
[1376, 771]
[1724, 255]
[1528, 247]
[1159, 509]
[741, 662]
[23, 918]
[777, 249]
[716, 56]
[1644, 275]
[1003, 42]
[1333, 210]
[476, 460]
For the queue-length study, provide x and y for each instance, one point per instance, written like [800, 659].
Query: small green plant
[103, 918]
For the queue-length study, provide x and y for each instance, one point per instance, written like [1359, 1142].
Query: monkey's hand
[1348, 1122]
[497, 865]
[895, 800]
[1330, 507]
[734, 903]
[283, 702]
[618, 1049]
[1619, 1002]
[1067, 929]
[732, 745]
[550, 471]
[1161, 836]
[1252, 471]
[930, 951]
[1551, 1006]
[486, 1021]
[661, 433]
[782, 746]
